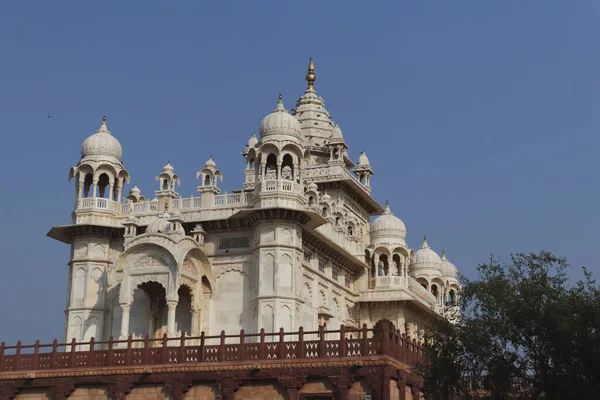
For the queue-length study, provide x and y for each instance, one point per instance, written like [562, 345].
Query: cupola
[102, 143]
[387, 228]
[426, 261]
[280, 124]
[449, 270]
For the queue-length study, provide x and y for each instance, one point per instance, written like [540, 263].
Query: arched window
[350, 230]
[287, 167]
[103, 185]
[183, 311]
[452, 297]
[87, 184]
[251, 163]
[325, 212]
[271, 167]
[311, 200]
[397, 265]
[383, 266]
[434, 290]
[165, 185]
[207, 180]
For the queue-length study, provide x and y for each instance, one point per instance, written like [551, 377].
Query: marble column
[125, 320]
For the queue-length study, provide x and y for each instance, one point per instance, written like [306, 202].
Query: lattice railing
[383, 340]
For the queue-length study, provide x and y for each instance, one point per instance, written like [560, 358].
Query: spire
[443, 254]
[310, 76]
[425, 245]
[103, 128]
[280, 107]
[387, 207]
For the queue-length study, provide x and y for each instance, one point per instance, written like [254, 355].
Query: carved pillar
[292, 385]
[195, 331]
[62, 390]
[416, 392]
[95, 189]
[178, 387]
[111, 184]
[228, 386]
[171, 305]
[401, 386]
[119, 390]
[342, 383]
[119, 190]
[125, 320]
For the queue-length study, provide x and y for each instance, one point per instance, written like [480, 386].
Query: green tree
[523, 333]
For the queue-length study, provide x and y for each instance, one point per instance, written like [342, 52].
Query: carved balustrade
[343, 343]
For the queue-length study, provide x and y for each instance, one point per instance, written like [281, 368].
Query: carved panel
[150, 261]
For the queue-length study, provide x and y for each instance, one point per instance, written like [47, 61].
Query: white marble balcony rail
[421, 292]
[278, 185]
[387, 281]
[98, 203]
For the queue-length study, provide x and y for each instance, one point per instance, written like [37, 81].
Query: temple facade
[301, 244]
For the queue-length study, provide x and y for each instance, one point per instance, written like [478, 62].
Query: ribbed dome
[210, 163]
[336, 133]
[426, 259]
[102, 143]
[449, 270]
[252, 141]
[280, 122]
[388, 227]
[363, 159]
[135, 191]
[168, 168]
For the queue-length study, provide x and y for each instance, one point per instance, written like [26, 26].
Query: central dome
[280, 122]
[102, 143]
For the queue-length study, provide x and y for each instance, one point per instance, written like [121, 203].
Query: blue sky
[481, 119]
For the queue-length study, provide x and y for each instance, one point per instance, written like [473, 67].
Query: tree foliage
[523, 333]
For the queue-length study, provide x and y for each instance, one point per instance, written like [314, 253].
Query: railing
[387, 281]
[189, 203]
[423, 293]
[350, 343]
[273, 185]
[98, 203]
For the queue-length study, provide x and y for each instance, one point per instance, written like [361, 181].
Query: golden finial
[104, 118]
[443, 252]
[387, 203]
[310, 77]
[280, 97]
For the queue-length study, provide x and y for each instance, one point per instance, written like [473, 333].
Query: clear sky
[481, 118]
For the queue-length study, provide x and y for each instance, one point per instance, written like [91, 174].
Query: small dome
[426, 259]
[336, 133]
[326, 197]
[280, 122]
[313, 186]
[363, 159]
[252, 141]
[388, 227]
[168, 168]
[210, 163]
[102, 143]
[449, 270]
[135, 191]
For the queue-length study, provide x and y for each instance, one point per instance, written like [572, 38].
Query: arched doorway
[183, 311]
[148, 315]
